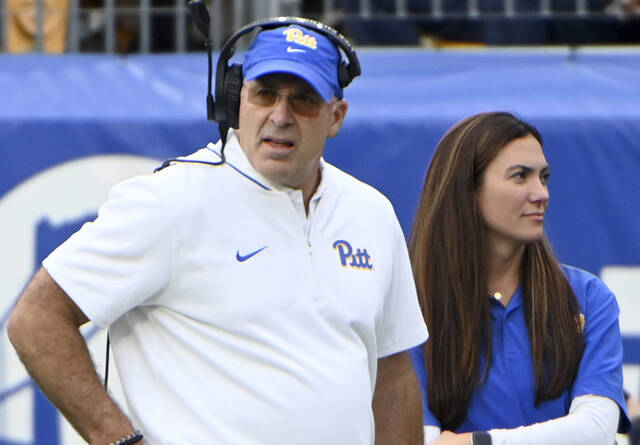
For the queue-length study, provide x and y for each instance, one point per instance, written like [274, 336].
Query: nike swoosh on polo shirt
[242, 258]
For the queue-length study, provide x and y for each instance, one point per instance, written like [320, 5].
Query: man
[266, 300]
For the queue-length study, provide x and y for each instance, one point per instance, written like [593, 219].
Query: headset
[229, 77]
[226, 107]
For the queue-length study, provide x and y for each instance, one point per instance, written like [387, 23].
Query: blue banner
[74, 125]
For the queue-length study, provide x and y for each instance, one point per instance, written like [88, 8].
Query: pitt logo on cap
[297, 36]
[358, 260]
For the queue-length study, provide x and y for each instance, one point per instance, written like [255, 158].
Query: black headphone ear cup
[232, 89]
[343, 74]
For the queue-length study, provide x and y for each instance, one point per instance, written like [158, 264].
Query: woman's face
[513, 194]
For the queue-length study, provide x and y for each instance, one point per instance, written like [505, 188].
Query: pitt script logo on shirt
[358, 260]
[297, 36]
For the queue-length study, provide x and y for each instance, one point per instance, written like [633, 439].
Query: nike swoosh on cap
[242, 258]
[295, 50]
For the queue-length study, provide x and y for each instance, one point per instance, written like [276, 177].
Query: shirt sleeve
[121, 258]
[401, 324]
[431, 434]
[600, 370]
[591, 420]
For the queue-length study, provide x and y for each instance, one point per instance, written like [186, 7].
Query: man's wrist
[481, 438]
[129, 439]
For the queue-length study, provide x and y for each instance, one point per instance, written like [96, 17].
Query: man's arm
[43, 329]
[397, 406]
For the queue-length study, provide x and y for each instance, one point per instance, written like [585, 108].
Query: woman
[523, 350]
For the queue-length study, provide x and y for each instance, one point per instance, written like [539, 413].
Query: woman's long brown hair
[448, 248]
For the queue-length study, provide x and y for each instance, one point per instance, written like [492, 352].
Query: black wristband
[129, 440]
[481, 438]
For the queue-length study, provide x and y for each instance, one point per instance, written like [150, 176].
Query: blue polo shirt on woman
[506, 398]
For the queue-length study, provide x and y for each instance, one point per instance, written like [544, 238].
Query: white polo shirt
[237, 319]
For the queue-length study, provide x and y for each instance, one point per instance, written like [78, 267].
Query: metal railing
[403, 9]
[106, 26]
[144, 26]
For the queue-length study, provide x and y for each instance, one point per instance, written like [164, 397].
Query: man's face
[284, 125]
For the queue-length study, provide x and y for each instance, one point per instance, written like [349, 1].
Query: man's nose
[282, 114]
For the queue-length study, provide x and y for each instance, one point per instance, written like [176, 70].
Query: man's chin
[276, 171]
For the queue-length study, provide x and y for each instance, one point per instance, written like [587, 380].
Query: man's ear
[338, 114]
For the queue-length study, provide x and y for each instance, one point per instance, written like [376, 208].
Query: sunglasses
[304, 104]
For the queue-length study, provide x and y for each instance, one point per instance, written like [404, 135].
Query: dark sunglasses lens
[263, 98]
[302, 104]
[305, 105]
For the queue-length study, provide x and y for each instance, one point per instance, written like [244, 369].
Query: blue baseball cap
[296, 50]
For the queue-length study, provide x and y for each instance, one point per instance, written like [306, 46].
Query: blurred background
[129, 26]
[95, 91]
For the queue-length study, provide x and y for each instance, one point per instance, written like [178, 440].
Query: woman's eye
[545, 178]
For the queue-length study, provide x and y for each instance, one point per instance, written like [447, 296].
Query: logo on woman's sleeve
[358, 260]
